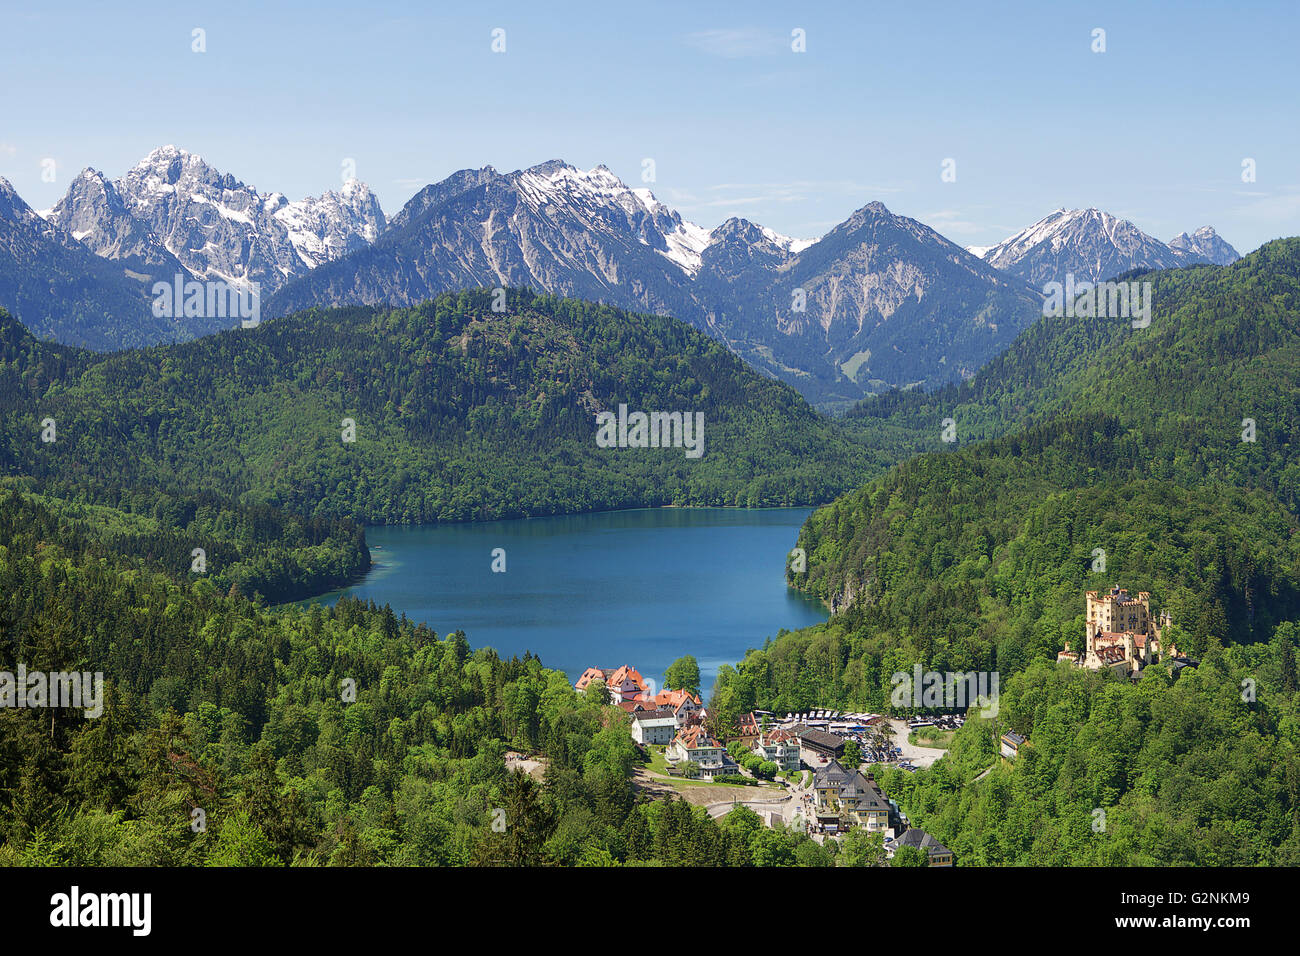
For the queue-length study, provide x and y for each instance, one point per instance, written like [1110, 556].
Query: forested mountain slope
[978, 556]
[460, 412]
[1115, 443]
[1223, 345]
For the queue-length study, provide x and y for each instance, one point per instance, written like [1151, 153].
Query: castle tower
[1120, 628]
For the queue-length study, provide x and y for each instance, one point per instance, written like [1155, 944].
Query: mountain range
[1094, 245]
[174, 210]
[881, 301]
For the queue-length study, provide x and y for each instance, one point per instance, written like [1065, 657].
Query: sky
[710, 99]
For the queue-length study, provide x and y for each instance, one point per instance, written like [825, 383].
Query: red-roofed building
[626, 683]
[779, 746]
[683, 703]
[747, 729]
[623, 683]
[695, 744]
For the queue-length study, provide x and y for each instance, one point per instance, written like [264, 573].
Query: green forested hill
[1164, 772]
[1148, 422]
[978, 559]
[252, 550]
[236, 735]
[460, 413]
[1130, 442]
[1223, 345]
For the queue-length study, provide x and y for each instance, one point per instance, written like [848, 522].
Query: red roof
[627, 672]
[589, 675]
[696, 738]
[675, 698]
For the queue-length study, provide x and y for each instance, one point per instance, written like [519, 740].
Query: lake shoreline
[644, 585]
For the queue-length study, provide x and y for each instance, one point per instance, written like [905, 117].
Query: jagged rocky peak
[603, 205]
[1205, 245]
[334, 224]
[94, 213]
[12, 205]
[174, 208]
[1090, 244]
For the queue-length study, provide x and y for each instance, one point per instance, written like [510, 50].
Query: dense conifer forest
[459, 412]
[967, 555]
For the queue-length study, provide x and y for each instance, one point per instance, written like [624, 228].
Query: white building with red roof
[694, 744]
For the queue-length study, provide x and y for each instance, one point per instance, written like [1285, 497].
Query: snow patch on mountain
[1089, 243]
[173, 207]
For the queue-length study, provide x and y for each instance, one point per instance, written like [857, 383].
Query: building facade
[781, 747]
[1120, 633]
[694, 744]
[654, 727]
[850, 798]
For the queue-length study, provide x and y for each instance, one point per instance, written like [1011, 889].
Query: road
[917, 756]
[795, 807]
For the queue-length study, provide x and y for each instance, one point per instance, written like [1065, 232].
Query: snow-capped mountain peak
[1089, 243]
[601, 201]
[1205, 245]
[172, 208]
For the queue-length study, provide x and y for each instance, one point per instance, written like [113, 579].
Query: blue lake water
[628, 587]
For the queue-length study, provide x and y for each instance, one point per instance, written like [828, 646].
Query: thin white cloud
[949, 221]
[736, 43]
[1272, 207]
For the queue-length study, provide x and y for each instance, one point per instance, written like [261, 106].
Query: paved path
[917, 756]
[795, 806]
[722, 808]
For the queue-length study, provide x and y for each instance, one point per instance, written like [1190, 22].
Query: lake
[626, 587]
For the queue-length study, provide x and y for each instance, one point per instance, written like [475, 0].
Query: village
[806, 770]
[806, 767]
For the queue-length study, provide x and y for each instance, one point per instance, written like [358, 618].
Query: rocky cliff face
[173, 207]
[885, 301]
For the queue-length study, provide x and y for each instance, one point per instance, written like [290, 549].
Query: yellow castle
[1121, 632]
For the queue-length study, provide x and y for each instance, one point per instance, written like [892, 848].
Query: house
[683, 703]
[850, 799]
[781, 747]
[626, 683]
[623, 683]
[1011, 744]
[694, 744]
[747, 730]
[939, 854]
[817, 748]
[589, 675]
[654, 727]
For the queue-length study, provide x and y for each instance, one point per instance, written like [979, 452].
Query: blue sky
[1155, 129]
